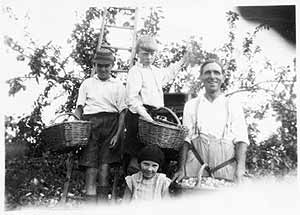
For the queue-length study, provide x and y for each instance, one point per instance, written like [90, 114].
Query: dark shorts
[104, 126]
[132, 144]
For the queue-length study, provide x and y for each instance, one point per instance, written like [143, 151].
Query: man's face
[212, 77]
[149, 168]
[103, 71]
[145, 57]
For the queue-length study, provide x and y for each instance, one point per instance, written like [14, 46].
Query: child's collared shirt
[97, 96]
[148, 189]
[144, 86]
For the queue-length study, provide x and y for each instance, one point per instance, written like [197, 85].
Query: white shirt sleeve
[133, 89]
[238, 123]
[188, 119]
[82, 94]
[121, 105]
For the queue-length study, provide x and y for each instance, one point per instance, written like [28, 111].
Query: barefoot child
[148, 184]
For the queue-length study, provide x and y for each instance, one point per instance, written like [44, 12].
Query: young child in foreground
[148, 184]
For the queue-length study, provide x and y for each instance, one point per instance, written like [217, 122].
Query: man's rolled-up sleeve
[238, 123]
[188, 120]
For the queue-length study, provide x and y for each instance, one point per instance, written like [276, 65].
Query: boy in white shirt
[144, 93]
[101, 100]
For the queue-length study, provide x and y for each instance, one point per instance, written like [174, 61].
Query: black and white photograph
[149, 107]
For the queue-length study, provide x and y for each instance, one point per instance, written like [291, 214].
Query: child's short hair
[146, 43]
[151, 153]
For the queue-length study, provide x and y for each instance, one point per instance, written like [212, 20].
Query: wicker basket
[201, 184]
[66, 135]
[162, 134]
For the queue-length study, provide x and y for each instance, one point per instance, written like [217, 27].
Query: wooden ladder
[132, 28]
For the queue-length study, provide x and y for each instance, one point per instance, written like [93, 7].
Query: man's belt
[209, 170]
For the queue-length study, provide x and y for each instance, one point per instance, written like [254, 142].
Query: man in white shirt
[217, 129]
[144, 92]
[101, 100]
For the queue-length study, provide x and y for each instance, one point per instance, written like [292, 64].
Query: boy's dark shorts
[132, 144]
[97, 152]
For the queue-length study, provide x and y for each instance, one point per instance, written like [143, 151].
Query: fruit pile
[188, 182]
[206, 182]
[213, 183]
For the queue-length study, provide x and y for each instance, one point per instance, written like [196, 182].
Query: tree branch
[256, 87]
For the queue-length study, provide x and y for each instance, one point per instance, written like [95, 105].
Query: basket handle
[65, 114]
[171, 112]
[200, 174]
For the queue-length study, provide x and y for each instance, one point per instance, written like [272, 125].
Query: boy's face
[103, 71]
[146, 57]
[149, 168]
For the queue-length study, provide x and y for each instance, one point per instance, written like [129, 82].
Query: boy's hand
[113, 142]
[147, 117]
[78, 112]
[184, 61]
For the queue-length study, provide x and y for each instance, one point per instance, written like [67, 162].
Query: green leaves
[151, 23]
[15, 85]
[38, 181]
[232, 17]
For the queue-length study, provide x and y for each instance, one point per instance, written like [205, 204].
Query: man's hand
[178, 176]
[113, 142]
[240, 154]
[181, 173]
[239, 173]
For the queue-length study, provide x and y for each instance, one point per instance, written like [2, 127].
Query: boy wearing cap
[144, 92]
[148, 184]
[101, 101]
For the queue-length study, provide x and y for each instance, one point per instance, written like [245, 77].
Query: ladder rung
[123, 8]
[119, 70]
[114, 47]
[121, 27]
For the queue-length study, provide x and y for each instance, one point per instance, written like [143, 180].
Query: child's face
[145, 57]
[103, 71]
[149, 168]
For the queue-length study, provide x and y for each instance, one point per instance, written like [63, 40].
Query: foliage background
[37, 177]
